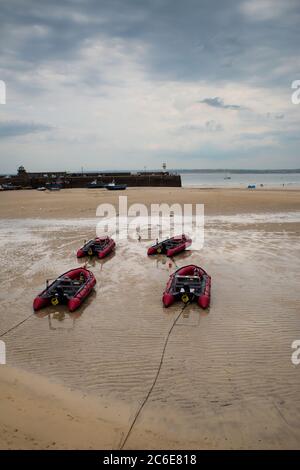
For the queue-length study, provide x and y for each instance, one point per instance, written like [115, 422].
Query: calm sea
[291, 180]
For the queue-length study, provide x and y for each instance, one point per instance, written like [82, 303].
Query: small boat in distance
[115, 187]
[41, 188]
[70, 288]
[171, 246]
[227, 176]
[53, 186]
[95, 184]
[9, 187]
[188, 283]
[100, 246]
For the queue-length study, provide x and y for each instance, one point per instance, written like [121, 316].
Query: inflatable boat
[171, 246]
[71, 288]
[100, 246]
[188, 283]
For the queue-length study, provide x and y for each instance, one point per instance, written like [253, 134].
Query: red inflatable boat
[188, 283]
[100, 246]
[70, 288]
[171, 246]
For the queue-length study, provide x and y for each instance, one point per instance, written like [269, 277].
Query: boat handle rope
[154, 381]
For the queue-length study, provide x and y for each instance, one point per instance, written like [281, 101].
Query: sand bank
[76, 203]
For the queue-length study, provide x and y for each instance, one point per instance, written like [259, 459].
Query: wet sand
[226, 381]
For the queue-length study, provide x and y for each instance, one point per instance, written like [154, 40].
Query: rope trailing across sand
[16, 326]
[155, 378]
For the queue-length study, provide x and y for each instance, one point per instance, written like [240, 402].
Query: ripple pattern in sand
[238, 351]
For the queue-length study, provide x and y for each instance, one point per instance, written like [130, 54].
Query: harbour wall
[81, 181]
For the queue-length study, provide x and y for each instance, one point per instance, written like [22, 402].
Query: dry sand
[227, 380]
[73, 203]
[37, 414]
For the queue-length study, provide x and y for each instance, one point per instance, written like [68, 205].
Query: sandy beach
[74, 203]
[78, 380]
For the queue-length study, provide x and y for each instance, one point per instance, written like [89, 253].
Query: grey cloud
[205, 41]
[211, 126]
[257, 136]
[219, 103]
[192, 40]
[17, 128]
[275, 116]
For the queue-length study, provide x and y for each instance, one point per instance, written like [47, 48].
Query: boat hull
[171, 246]
[100, 247]
[189, 283]
[116, 187]
[96, 185]
[75, 299]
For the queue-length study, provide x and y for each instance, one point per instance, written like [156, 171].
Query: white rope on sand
[16, 326]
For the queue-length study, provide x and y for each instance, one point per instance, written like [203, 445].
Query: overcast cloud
[108, 84]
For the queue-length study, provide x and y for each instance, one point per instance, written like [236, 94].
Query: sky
[129, 84]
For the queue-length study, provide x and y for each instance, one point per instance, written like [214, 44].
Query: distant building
[22, 172]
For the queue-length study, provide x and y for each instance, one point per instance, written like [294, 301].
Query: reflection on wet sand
[59, 318]
[93, 261]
